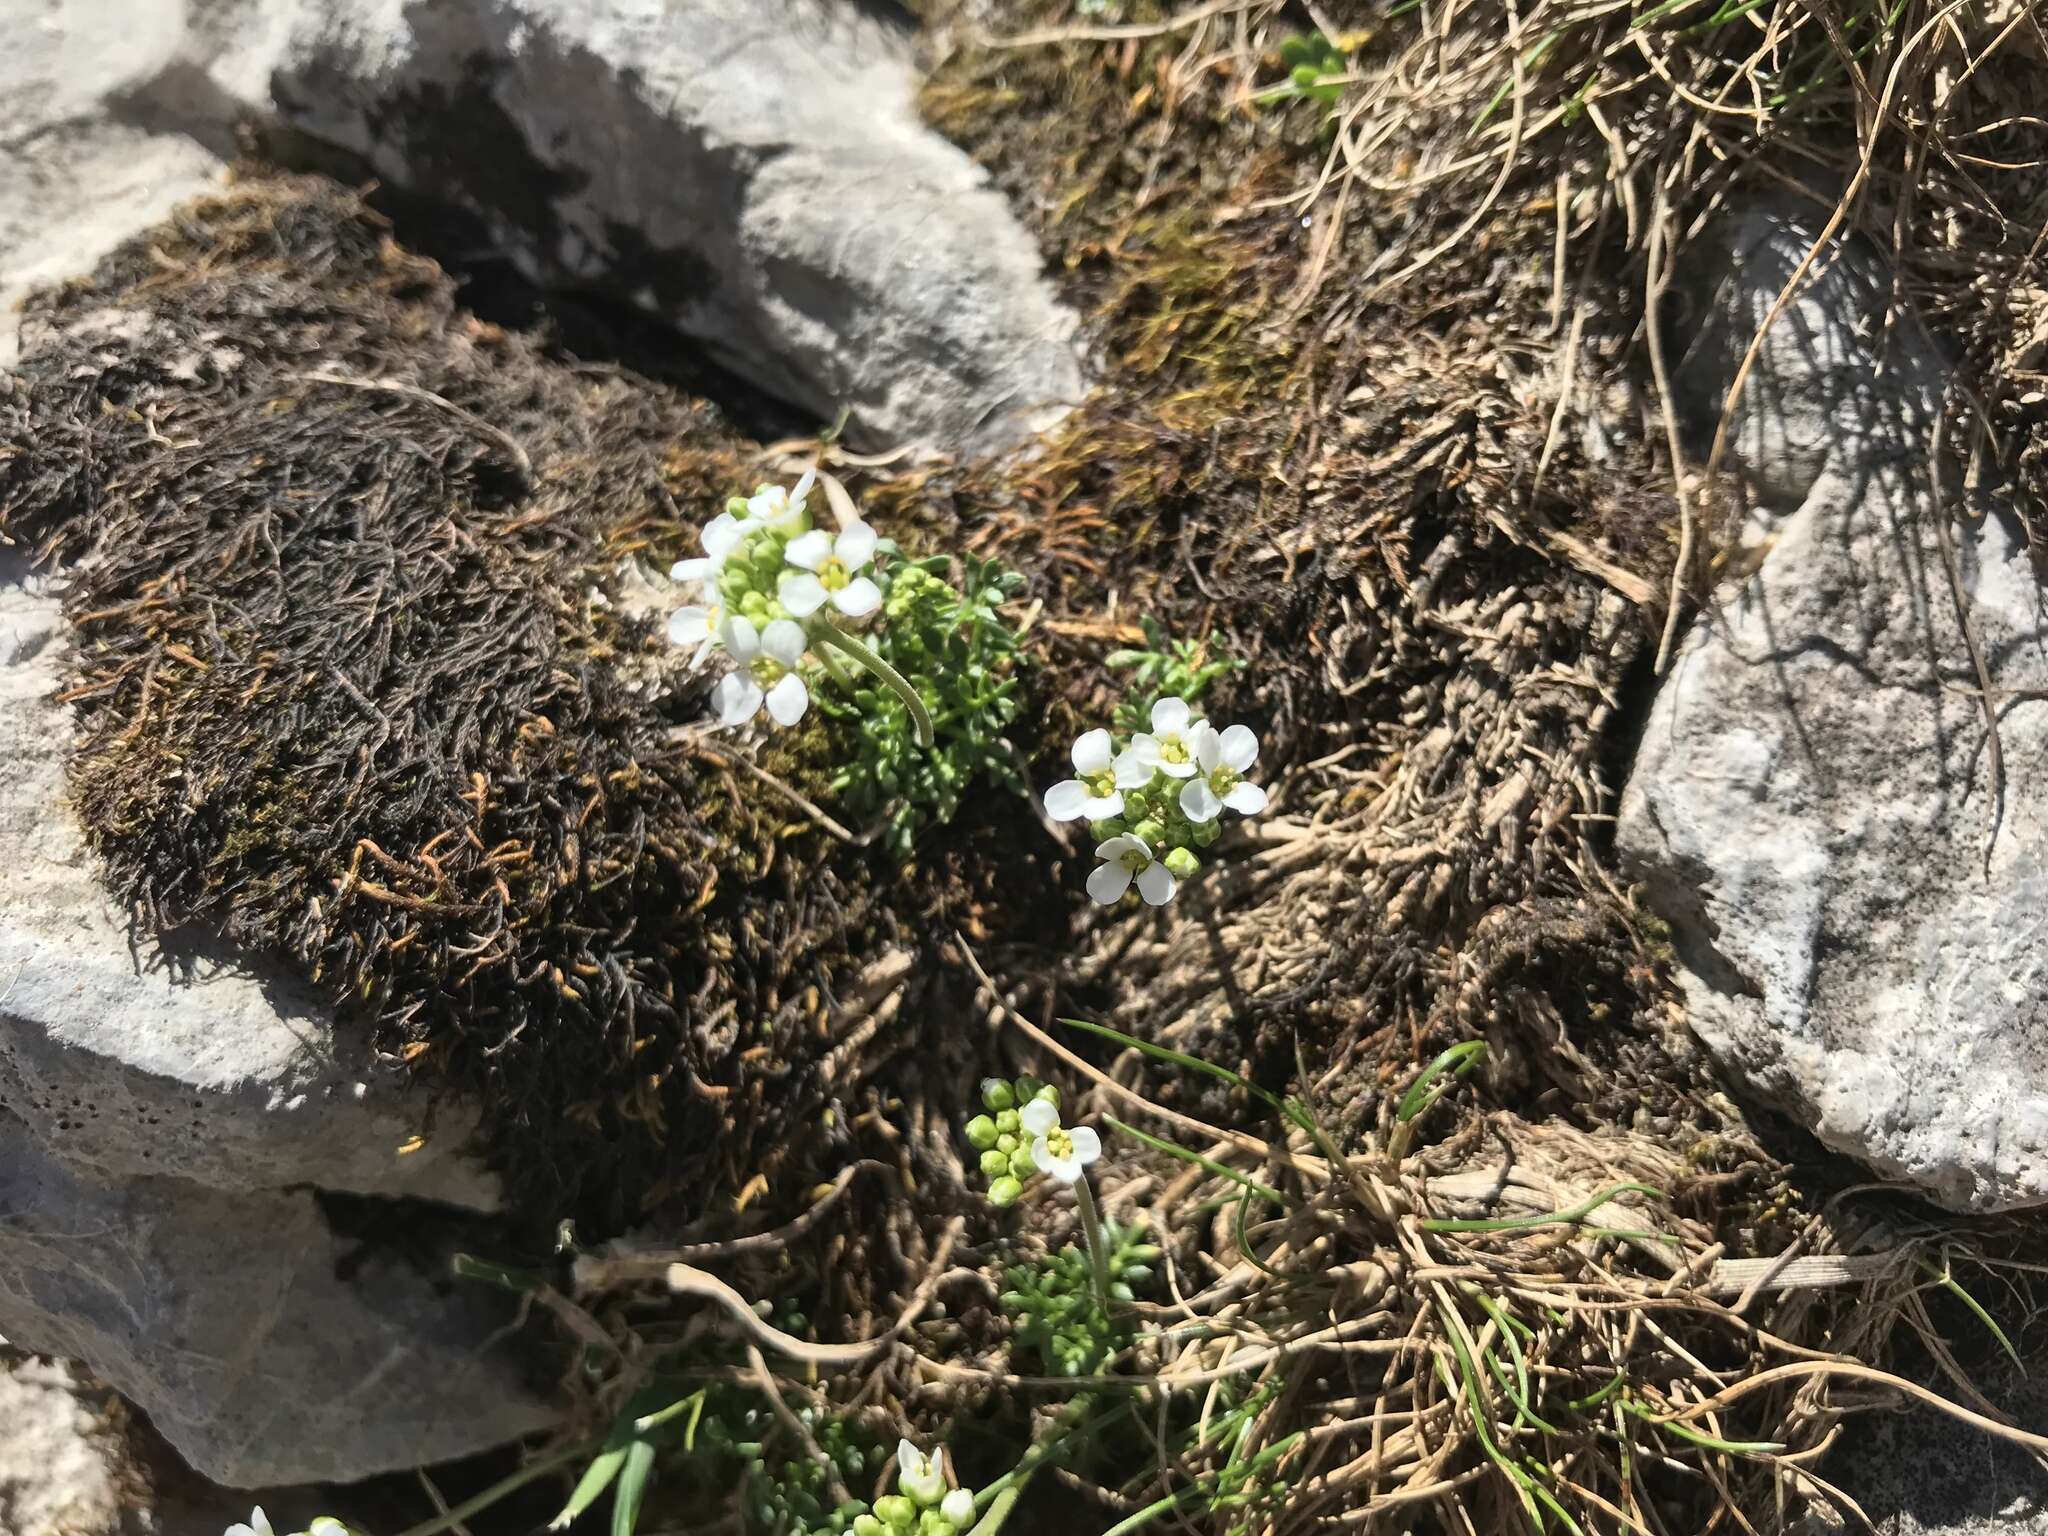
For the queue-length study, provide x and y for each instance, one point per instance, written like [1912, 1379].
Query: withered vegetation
[1381, 412]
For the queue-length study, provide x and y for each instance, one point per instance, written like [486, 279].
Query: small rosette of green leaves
[1056, 1319]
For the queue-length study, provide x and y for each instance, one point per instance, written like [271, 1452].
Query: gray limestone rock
[265, 1345]
[1861, 911]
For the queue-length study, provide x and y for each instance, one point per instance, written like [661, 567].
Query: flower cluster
[924, 1503]
[258, 1524]
[1158, 800]
[1021, 1135]
[769, 586]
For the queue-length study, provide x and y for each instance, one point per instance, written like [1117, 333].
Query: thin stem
[836, 667]
[824, 629]
[503, 1487]
[1091, 1229]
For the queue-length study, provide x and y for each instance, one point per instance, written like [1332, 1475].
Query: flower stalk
[828, 633]
[1091, 1232]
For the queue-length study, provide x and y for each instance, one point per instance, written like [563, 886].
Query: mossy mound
[349, 692]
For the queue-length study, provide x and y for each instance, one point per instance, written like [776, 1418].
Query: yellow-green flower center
[1101, 785]
[1134, 859]
[1172, 750]
[768, 671]
[1059, 1146]
[1222, 779]
[833, 574]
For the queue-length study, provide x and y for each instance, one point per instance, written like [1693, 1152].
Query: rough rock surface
[267, 1346]
[752, 172]
[1861, 907]
[63, 1458]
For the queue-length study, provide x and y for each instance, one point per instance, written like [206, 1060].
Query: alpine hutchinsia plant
[1154, 803]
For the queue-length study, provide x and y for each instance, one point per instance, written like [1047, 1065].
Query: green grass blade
[1949, 1283]
[1192, 1064]
[1572, 1217]
[598, 1476]
[632, 1489]
[1708, 1442]
[1160, 1144]
[1457, 1061]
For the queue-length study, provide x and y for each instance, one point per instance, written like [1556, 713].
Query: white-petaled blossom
[1097, 793]
[1059, 1152]
[766, 662]
[258, 1524]
[696, 624]
[922, 1478]
[1222, 758]
[957, 1509]
[1125, 859]
[720, 537]
[1168, 746]
[773, 507]
[828, 569]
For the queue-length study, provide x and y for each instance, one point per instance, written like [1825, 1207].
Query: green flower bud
[1007, 1123]
[1206, 833]
[958, 1508]
[996, 1094]
[867, 1525]
[1181, 864]
[1022, 1163]
[1007, 1144]
[896, 1511]
[1050, 1094]
[1151, 832]
[736, 505]
[1004, 1193]
[994, 1164]
[981, 1133]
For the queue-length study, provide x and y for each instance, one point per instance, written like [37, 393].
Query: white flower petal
[788, 700]
[1064, 1169]
[722, 535]
[1156, 884]
[856, 545]
[1038, 1117]
[1177, 770]
[1246, 799]
[1130, 773]
[1198, 801]
[858, 598]
[802, 594]
[739, 637]
[1092, 752]
[1170, 716]
[1087, 1145]
[1207, 747]
[1103, 808]
[697, 568]
[803, 485]
[737, 698]
[784, 639]
[1067, 800]
[690, 626]
[809, 550]
[1240, 748]
[1107, 885]
[957, 1509]
[1144, 751]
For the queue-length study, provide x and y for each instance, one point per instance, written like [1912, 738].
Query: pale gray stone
[1863, 923]
[265, 1346]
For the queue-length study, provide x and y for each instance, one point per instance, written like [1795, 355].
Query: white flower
[922, 1478]
[773, 507]
[1060, 1153]
[1222, 757]
[327, 1525]
[767, 661]
[696, 624]
[1167, 746]
[1124, 859]
[828, 568]
[1098, 793]
[258, 1524]
[720, 537]
[957, 1509]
